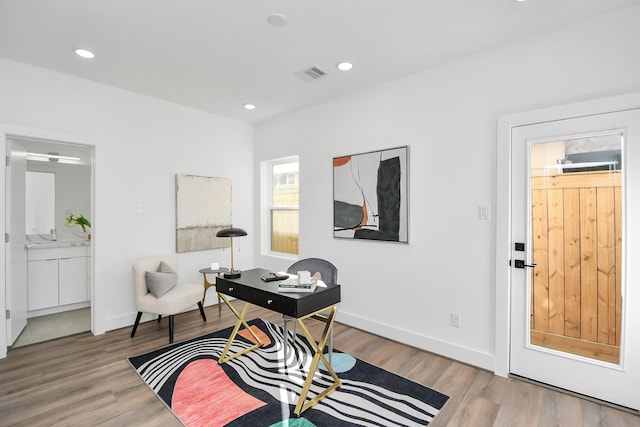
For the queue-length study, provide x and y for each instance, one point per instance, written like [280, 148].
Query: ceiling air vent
[310, 74]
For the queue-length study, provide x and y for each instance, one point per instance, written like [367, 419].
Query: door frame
[98, 326]
[505, 126]
[15, 261]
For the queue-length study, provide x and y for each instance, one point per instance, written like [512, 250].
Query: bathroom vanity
[58, 275]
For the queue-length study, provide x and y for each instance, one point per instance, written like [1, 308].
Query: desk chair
[329, 274]
[174, 300]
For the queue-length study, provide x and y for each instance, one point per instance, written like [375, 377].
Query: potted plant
[78, 219]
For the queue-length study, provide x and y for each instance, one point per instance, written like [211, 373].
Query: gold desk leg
[302, 404]
[241, 322]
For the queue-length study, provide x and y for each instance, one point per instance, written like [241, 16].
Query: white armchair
[173, 301]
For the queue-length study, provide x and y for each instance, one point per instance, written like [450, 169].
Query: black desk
[250, 288]
[300, 306]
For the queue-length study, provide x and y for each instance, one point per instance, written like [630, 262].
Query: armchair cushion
[161, 281]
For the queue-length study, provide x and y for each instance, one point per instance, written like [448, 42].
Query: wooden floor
[84, 380]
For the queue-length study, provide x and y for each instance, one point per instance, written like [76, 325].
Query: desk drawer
[272, 301]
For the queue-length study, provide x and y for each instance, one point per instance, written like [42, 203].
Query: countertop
[42, 241]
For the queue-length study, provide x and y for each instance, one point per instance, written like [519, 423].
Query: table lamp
[231, 233]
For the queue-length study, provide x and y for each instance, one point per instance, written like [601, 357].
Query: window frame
[268, 208]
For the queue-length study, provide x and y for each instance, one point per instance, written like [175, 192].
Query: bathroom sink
[34, 238]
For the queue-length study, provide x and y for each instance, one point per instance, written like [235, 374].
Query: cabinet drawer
[52, 253]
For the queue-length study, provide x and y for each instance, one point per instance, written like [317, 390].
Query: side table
[208, 284]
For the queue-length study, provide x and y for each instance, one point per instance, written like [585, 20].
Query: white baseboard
[443, 348]
[453, 351]
[58, 309]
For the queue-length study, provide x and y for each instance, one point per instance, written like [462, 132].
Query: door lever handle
[519, 263]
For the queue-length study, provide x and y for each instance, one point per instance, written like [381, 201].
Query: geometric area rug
[260, 388]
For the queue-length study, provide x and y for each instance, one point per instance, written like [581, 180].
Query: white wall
[140, 144]
[447, 115]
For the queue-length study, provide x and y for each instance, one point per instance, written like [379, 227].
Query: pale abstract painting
[203, 207]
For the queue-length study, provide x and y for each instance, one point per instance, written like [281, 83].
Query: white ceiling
[216, 55]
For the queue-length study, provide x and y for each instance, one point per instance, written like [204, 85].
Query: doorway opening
[48, 284]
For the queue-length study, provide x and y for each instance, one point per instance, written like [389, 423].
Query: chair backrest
[141, 266]
[328, 271]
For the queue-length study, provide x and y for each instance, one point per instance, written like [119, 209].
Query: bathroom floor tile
[53, 326]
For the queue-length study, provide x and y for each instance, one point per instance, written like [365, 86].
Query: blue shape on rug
[340, 362]
[294, 422]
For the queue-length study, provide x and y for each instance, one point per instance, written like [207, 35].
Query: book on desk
[272, 277]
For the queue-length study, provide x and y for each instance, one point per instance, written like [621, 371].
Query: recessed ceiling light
[249, 106]
[277, 20]
[344, 66]
[85, 53]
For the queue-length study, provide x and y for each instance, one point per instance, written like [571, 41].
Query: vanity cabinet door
[72, 280]
[43, 284]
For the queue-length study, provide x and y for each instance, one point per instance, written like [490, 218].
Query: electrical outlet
[456, 320]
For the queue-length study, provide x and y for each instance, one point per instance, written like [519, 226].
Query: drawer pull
[269, 301]
[230, 289]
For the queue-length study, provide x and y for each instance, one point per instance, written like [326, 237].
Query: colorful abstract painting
[370, 195]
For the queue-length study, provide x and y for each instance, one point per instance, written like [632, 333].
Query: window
[282, 181]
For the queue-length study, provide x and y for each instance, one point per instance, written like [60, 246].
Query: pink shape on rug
[263, 337]
[205, 396]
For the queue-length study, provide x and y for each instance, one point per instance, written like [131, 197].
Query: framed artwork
[370, 195]
[203, 207]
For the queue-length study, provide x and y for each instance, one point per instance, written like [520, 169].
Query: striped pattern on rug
[368, 396]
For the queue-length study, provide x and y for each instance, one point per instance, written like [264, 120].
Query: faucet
[54, 234]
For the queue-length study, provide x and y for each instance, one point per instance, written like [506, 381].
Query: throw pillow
[164, 268]
[162, 281]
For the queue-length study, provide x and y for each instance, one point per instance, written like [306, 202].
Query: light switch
[138, 209]
[485, 212]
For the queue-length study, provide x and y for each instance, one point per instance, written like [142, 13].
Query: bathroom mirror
[40, 202]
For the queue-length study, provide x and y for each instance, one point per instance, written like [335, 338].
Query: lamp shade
[231, 232]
